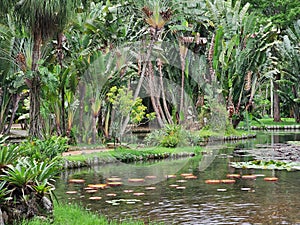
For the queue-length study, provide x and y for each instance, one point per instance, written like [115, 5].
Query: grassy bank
[75, 215]
[265, 122]
[129, 155]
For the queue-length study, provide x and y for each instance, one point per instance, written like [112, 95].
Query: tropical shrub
[45, 149]
[4, 192]
[26, 178]
[24, 187]
[170, 136]
[8, 154]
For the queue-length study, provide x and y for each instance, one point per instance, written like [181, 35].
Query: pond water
[158, 197]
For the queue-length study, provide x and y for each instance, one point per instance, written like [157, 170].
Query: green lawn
[109, 156]
[270, 122]
[75, 215]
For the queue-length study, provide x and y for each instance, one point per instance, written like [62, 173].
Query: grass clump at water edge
[131, 154]
[65, 214]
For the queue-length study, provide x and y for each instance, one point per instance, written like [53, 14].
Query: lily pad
[113, 179]
[180, 187]
[191, 177]
[233, 175]
[150, 188]
[186, 174]
[249, 177]
[114, 184]
[76, 181]
[98, 186]
[95, 198]
[271, 179]
[171, 176]
[91, 191]
[228, 181]
[111, 195]
[138, 193]
[213, 181]
[150, 177]
[136, 180]
[71, 192]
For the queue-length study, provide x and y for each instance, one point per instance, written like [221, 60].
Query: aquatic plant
[269, 165]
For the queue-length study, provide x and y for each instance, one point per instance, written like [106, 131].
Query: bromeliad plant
[44, 150]
[24, 187]
[8, 154]
[27, 176]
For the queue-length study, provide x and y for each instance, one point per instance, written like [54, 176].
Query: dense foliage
[206, 63]
[27, 173]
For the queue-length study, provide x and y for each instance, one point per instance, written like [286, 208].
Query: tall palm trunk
[35, 125]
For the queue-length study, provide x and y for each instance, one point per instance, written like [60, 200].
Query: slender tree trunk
[272, 98]
[82, 90]
[5, 100]
[15, 99]
[162, 115]
[94, 128]
[277, 117]
[296, 105]
[60, 57]
[154, 100]
[166, 110]
[138, 88]
[183, 52]
[35, 125]
[211, 77]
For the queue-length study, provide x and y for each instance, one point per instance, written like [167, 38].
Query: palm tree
[44, 19]
[11, 62]
[156, 14]
[289, 60]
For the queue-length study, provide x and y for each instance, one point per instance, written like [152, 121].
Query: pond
[149, 192]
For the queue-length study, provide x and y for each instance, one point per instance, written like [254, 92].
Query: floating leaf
[95, 198]
[76, 181]
[71, 192]
[213, 181]
[136, 180]
[272, 179]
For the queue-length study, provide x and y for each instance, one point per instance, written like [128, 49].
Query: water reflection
[199, 203]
